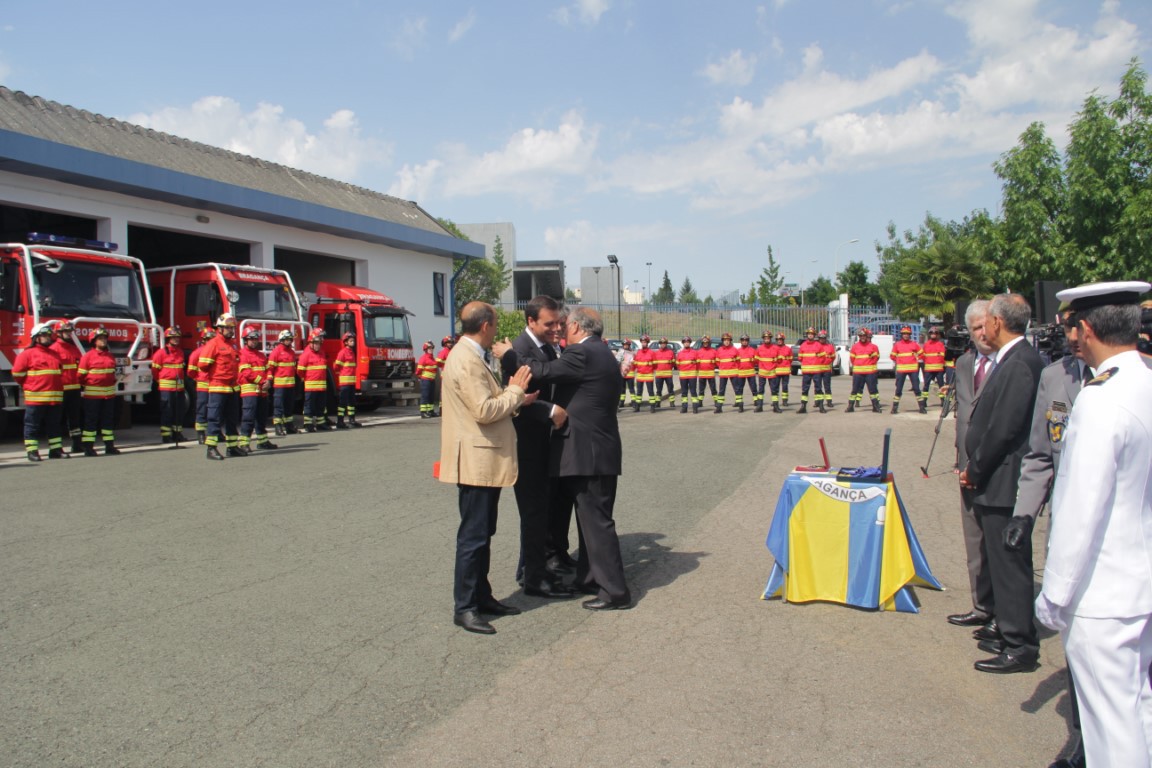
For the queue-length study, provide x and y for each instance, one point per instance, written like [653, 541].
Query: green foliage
[665, 294]
[499, 266]
[509, 323]
[687, 293]
[854, 281]
[821, 291]
[770, 282]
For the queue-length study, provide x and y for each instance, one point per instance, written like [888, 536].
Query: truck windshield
[271, 301]
[383, 330]
[91, 289]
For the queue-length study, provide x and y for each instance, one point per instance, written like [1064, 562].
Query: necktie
[549, 352]
[488, 357]
[978, 379]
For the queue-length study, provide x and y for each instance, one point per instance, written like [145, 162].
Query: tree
[1033, 199]
[666, 294]
[819, 292]
[479, 282]
[770, 282]
[687, 293]
[499, 266]
[933, 279]
[854, 281]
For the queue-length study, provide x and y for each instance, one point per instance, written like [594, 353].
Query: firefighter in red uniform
[427, 371]
[934, 354]
[766, 366]
[624, 357]
[865, 357]
[706, 371]
[220, 363]
[745, 371]
[201, 379]
[906, 355]
[811, 354]
[97, 374]
[446, 345]
[313, 370]
[686, 368]
[168, 370]
[37, 370]
[827, 358]
[344, 371]
[665, 361]
[254, 382]
[783, 373]
[727, 369]
[644, 363]
[72, 415]
[282, 372]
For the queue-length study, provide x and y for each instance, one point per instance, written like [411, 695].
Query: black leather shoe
[214, 454]
[600, 604]
[970, 619]
[549, 590]
[561, 564]
[990, 631]
[995, 647]
[1008, 662]
[496, 608]
[471, 622]
[1074, 760]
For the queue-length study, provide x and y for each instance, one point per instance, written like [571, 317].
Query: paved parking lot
[294, 609]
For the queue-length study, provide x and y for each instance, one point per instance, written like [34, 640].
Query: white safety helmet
[286, 336]
[43, 328]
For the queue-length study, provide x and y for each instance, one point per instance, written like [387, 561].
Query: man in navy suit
[996, 442]
[587, 456]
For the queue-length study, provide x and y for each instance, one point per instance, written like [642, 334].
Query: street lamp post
[616, 265]
[596, 271]
[836, 263]
[649, 280]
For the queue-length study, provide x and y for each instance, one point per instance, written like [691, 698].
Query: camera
[957, 341]
[1051, 342]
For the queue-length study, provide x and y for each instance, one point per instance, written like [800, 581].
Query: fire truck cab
[65, 278]
[193, 296]
[385, 365]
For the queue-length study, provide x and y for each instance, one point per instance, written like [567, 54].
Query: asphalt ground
[294, 609]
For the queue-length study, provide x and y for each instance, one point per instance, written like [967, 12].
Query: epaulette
[1103, 376]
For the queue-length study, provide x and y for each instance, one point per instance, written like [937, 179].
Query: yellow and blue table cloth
[845, 542]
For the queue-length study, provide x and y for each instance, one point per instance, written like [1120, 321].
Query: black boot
[280, 430]
[353, 423]
[290, 428]
[214, 453]
[820, 405]
[177, 438]
[876, 407]
[684, 407]
[803, 407]
[758, 408]
[923, 406]
[851, 406]
[776, 407]
[90, 450]
[266, 445]
[309, 428]
[895, 407]
[110, 449]
[201, 436]
[719, 407]
[236, 452]
[34, 456]
[166, 439]
[340, 423]
[652, 408]
[635, 406]
[77, 444]
[740, 407]
[695, 407]
[57, 453]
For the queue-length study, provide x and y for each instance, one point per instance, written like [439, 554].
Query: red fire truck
[193, 296]
[385, 365]
[66, 278]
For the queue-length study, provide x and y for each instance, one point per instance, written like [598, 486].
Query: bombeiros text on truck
[51, 277]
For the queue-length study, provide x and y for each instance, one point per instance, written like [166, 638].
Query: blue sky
[690, 135]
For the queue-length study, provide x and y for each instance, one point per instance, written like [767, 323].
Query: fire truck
[193, 296]
[385, 365]
[65, 278]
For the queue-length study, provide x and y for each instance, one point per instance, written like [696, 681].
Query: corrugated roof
[62, 124]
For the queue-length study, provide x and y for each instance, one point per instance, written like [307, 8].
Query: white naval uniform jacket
[1100, 545]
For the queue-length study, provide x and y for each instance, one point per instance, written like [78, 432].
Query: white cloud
[735, 69]
[415, 182]
[337, 150]
[409, 38]
[528, 165]
[462, 27]
[584, 11]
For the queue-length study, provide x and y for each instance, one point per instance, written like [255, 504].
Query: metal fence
[676, 321]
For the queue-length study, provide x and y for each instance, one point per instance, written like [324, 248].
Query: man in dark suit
[996, 442]
[533, 436]
[587, 455]
[963, 386]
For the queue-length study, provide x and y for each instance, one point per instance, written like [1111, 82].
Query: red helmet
[864, 332]
[206, 334]
[726, 335]
[316, 335]
[347, 336]
[446, 340]
[428, 345]
[822, 332]
[645, 339]
[905, 330]
[173, 332]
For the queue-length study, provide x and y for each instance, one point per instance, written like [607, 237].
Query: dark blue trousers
[478, 507]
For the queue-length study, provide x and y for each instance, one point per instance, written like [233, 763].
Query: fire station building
[169, 201]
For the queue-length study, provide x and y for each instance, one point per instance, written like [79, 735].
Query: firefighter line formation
[236, 389]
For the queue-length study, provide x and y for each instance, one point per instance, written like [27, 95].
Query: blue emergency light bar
[40, 238]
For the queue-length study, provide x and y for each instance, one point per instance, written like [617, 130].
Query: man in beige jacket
[478, 454]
